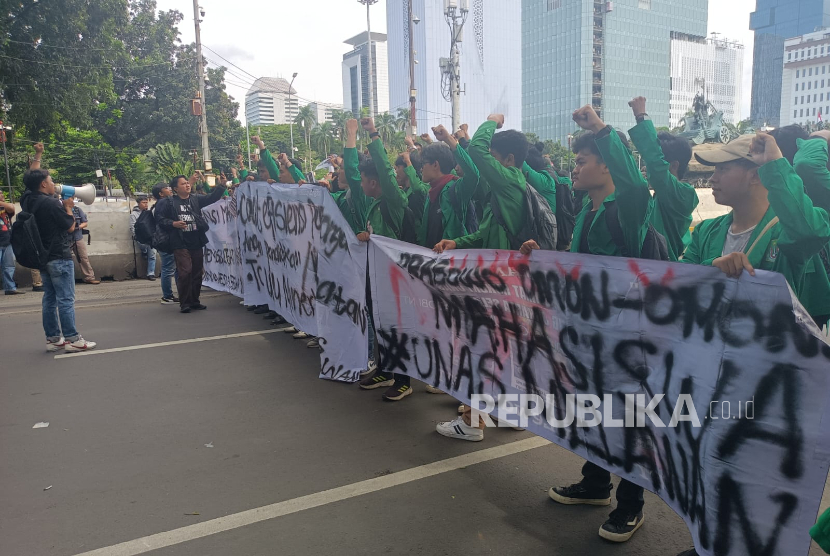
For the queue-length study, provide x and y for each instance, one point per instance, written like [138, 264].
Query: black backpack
[538, 223]
[565, 215]
[408, 231]
[26, 243]
[469, 218]
[655, 247]
[145, 227]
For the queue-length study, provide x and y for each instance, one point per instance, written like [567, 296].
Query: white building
[269, 101]
[713, 66]
[805, 84]
[491, 61]
[356, 71]
[323, 110]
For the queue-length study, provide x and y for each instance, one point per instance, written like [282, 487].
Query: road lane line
[272, 511]
[163, 344]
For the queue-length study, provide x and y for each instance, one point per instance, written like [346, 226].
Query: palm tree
[322, 138]
[307, 120]
[402, 121]
[338, 120]
[385, 124]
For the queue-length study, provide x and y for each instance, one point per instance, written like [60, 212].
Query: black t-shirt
[5, 229]
[586, 227]
[435, 225]
[190, 235]
[53, 222]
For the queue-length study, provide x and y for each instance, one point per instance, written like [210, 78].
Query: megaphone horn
[86, 193]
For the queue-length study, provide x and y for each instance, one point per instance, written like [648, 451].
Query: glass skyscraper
[774, 21]
[577, 52]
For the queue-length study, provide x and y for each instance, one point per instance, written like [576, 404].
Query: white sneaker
[286, 328]
[459, 429]
[289, 329]
[369, 370]
[80, 345]
[433, 390]
[301, 336]
[56, 346]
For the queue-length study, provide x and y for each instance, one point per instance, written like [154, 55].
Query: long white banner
[710, 392]
[223, 258]
[301, 258]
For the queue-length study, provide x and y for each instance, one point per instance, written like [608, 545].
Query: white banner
[301, 258]
[710, 392]
[223, 259]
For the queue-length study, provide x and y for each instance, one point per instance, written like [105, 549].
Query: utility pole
[371, 76]
[291, 119]
[6, 159]
[200, 73]
[413, 92]
[455, 12]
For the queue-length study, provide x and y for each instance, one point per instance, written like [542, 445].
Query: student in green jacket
[448, 196]
[539, 178]
[667, 158]
[346, 174]
[753, 177]
[810, 161]
[499, 158]
[287, 171]
[411, 184]
[378, 185]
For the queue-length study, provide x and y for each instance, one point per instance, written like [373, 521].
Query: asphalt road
[330, 468]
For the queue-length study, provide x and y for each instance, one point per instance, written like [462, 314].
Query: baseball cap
[734, 150]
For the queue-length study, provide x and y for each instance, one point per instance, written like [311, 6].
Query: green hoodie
[274, 169]
[543, 183]
[810, 164]
[674, 200]
[353, 206]
[787, 246]
[634, 203]
[416, 194]
[507, 188]
[465, 188]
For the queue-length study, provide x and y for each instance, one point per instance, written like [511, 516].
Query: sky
[276, 39]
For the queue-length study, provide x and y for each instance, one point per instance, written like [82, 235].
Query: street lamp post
[291, 120]
[371, 87]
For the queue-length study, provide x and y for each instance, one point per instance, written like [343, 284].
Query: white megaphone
[85, 193]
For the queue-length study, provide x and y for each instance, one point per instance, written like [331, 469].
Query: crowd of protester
[463, 192]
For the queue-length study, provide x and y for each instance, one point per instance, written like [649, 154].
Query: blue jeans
[7, 262]
[168, 270]
[150, 254]
[59, 300]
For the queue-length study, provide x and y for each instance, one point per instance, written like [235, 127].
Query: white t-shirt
[736, 243]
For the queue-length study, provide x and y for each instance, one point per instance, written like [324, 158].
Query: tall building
[491, 65]
[323, 110]
[269, 101]
[805, 84]
[356, 72]
[713, 66]
[604, 53]
[774, 21]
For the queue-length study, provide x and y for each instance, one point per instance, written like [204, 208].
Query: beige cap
[734, 150]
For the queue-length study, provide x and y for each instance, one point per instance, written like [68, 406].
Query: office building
[323, 110]
[604, 53]
[774, 21]
[269, 101]
[490, 60]
[805, 84]
[356, 71]
[713, 66]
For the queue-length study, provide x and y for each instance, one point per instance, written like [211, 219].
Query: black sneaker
[690, 552]
[14, 292]
[261, 310]
[398, 391]
[198, 307]
[621, 525]
[377, 380]
[252, 307]
[580, 494]
[270, 315]
[151, 278]
[37, 288]
[184, 310]
[278, 321]
[169, 300]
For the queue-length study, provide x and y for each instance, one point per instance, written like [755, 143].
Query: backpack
[469, 218]
[408, 231]
[145, 227]
[538, 223]
[26, 243]
[565, 215]
[655, 247]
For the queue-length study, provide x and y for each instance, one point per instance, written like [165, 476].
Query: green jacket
[674, 200]
[367, 208]
[465, 188]
[634, 204]
[274, 169]
[810, 164]
[543, 183]
[788, 246]
[353, 207]
[416, 194]
[507, 187]
[821, 530]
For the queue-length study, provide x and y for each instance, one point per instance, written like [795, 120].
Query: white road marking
[272, 511]
[162, 344]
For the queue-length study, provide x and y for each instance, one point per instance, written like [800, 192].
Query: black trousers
[629, 495]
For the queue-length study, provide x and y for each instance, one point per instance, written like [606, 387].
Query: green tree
[403, 119]
[167, 161]
[322, 138]
[386, 126]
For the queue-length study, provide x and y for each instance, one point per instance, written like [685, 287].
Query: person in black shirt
[182, 218]
[55, 224]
